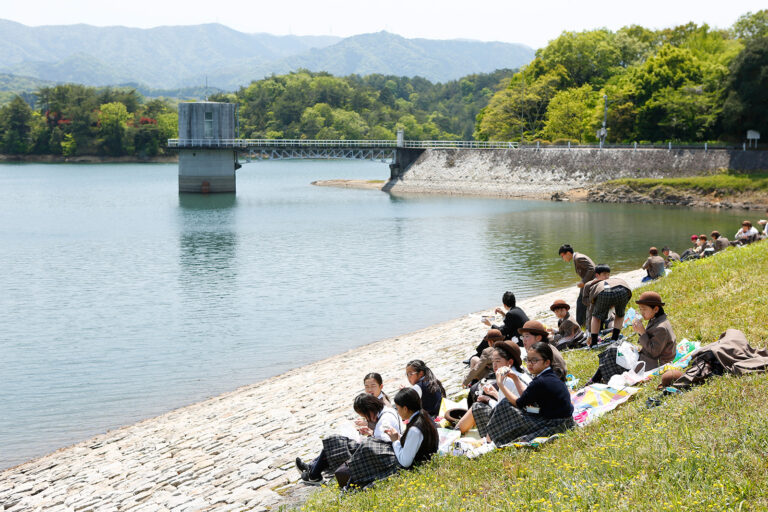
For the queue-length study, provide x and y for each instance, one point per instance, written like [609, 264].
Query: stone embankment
[546, 172]
[236, 451]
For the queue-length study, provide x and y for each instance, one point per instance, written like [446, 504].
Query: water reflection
[207, 201]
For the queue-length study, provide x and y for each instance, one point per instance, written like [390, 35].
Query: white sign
[753, 135]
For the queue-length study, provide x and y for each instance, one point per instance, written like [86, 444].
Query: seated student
[654, 265]
[359, 464]
[764, 233]
[747, 234]
[371, 409]
[568, 333]
[690, 253]
[657, 340]
[543, 408]
[669, 256]
[535, 332]
[373, 385]
[600, 295]
[704, 248]
[505, 355]
[514, 318]
[719, 242]
[430, 390]
[480, 363]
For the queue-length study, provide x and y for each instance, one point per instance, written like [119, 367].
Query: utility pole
[522, 109]
[603, 130]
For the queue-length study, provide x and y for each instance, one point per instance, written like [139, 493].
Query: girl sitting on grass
[430, 390]
[657, 340]
[372, 411]
[505, 355]
[359, 464]
[543, 409]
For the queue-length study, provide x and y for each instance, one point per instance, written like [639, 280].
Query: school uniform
[484, 410]
[658, 347]
[482, 368]
[654, 265]
[585, 269]
[721, 243]
[658, 343]
[514, 319]
[558, 364]
[672, 257]
[509, 423]
[430, 400]
[568, 332]
[601, 295]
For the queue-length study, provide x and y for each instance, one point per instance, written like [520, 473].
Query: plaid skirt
[370, 460]
[608, 366]
[617, 297]
[509, 424]
[482, 414]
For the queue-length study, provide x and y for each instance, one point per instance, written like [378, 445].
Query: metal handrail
[304, 143]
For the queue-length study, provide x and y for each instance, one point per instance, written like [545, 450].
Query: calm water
[121, 299]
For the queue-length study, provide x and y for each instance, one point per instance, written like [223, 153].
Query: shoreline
[87, 159]
[234, 450]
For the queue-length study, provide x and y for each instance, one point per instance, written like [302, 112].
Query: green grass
[702, 450]
[726, 183]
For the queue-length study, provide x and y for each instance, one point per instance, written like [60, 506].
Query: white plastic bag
[627, 355]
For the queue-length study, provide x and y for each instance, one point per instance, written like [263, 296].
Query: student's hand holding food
[392, 433]
[501, 373]
[491, 391]
[638, 326]
[365, 431]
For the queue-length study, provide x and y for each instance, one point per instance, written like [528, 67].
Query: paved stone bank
[236, 451]
[541, 173]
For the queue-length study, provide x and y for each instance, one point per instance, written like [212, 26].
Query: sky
[532, 23]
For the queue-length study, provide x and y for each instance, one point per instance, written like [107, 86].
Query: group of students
[517, 381]
[704, 246]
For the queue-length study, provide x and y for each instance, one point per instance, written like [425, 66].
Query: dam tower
[206, 164]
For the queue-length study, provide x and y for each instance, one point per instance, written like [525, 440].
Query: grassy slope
[719, 184]
[702, 450]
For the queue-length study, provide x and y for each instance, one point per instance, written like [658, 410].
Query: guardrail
[304, 143]
[424, 144]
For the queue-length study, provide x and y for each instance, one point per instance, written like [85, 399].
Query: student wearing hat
[542, 408]
[719, 242]
[535, 332]
[480, 364]
[669, 256]
[568, 331]
[585, 269]
[703, 247]
[600, 295]
[657, 339]
[654, 265]
[691, 253]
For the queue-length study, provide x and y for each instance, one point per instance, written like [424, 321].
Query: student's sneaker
[301, 465]
[310, 481]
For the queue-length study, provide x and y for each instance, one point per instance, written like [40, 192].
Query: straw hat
[534, 327]
[650, 299]
[559, 303]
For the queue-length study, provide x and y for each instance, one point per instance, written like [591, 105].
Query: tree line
[689, 83]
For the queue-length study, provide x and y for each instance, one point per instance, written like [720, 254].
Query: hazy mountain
[185, 56]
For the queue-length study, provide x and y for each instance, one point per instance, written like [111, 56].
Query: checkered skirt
[616, 297]
[482, 414]
[369, 460]
[509, 424]
[608, 366]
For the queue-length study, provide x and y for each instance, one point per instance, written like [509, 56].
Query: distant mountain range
[185, 56]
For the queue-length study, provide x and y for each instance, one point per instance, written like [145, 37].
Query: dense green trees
[687, 83]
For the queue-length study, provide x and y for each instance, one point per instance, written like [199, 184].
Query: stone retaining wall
[541, 173]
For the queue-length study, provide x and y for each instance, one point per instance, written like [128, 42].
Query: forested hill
[186, 56]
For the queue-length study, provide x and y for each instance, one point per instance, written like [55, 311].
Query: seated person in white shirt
[747, 233]
[505, 354]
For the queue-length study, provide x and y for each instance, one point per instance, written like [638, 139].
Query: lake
[122, 299]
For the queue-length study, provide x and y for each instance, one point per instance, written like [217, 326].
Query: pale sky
[529, 22]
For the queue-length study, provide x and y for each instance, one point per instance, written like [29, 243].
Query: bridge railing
[304, 143]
